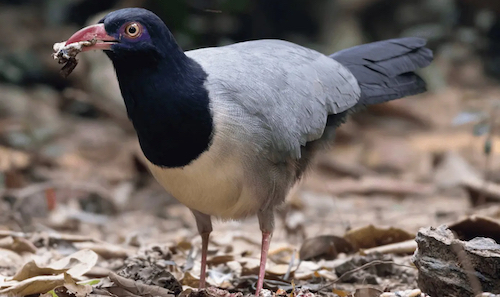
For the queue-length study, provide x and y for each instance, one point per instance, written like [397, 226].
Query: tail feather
[385, 69]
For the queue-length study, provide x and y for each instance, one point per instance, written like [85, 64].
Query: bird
[229, 130]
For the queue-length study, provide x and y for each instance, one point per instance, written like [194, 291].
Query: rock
[451, 267]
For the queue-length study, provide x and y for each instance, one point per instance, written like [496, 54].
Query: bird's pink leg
[204, 249]
[266, 240]
[266, 222]
[204, 224]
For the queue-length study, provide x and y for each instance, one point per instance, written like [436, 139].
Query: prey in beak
[92, 37]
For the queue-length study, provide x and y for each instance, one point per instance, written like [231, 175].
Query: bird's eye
[133, 30]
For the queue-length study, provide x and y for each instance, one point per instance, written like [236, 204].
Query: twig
[404, 247]
[290, 265]
[372, 263]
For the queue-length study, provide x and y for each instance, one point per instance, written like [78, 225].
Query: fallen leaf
[367, 292]
[371, 236]
[216, 260]
[9, 258]
[341, 293]
[278, 270]
[476, 226]
[105, 250]
[11, 159]
[33, 285]
[17, 244]
[190, 280]
[125, 285]
[324, 247]
[85, 260]
[72, 289]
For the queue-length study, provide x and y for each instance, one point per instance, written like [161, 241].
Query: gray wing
[279, 92]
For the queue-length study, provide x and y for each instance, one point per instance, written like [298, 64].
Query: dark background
[458, 29]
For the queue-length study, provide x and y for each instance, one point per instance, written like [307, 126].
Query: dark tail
[385, 69]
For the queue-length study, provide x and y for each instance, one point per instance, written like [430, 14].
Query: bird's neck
[169, 106]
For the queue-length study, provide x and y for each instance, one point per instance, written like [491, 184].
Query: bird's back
[274, 94]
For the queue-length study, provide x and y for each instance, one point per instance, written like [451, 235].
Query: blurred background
[70, 163]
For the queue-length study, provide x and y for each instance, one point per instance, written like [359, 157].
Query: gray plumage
[283, 91]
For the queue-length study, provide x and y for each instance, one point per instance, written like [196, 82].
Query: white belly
[214, 187]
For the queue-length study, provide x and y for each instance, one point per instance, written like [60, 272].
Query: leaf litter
[324, 244]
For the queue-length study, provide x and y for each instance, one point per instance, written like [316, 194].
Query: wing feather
[275, 94]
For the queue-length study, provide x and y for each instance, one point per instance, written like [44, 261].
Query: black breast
[169, 107]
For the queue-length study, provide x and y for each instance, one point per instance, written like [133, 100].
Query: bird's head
[129, 33]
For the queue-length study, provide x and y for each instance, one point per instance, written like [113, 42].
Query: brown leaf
[190, 280]
[11, 159]
[76, 265]
[10, 259]
[216, 260]
[367, 292]
[216, 292]
[324, 247]
[17, 244]
[341, 293]
[34, 285]
[136, 288]
[476, 226]
[105, 250]
[277, 270]
[371, 236]
[72, 289]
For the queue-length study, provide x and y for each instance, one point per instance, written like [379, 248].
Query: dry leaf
[72, 289]
[216, 260]
[105, 250]
[341, 293]
[8, 257]
[371, 236]
[190, 280]
[282, 254]
[476, 226]
[33, 279]
[85, 260]
[367, 292]
[327, 274]
[34, 285]
[17, 244]
[129, 287]
[11, 159]
[278, 270]
[324, 247]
